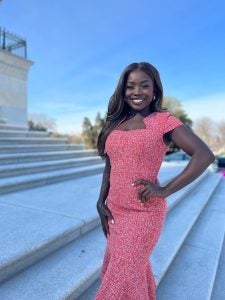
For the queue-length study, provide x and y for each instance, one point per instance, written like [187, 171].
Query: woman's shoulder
[164, 115]
[169, 121]
[165, 120]
[161, 115]
[156, 120]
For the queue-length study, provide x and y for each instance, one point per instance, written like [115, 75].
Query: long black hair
[118, 109]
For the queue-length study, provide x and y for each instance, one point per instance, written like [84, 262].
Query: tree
[175, 107]
[221, 128]
[220, 140]
[90, 132]
[204, 127]
[212, 133]
[209, 132]
[99, 122]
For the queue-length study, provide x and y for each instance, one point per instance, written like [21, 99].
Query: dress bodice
[138, 153]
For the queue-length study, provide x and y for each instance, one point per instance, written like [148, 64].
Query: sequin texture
[126, 272]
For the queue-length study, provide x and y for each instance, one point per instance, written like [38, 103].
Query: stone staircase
[53, 244]
[29, 159]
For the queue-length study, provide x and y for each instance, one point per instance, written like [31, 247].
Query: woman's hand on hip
[149, 189]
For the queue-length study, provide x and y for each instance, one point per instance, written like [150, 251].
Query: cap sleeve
[171, 122]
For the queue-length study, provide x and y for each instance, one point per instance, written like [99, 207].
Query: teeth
[137, 100]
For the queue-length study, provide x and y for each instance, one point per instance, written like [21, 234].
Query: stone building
[14, 67]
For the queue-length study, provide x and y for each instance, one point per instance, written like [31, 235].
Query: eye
[145, 85]
[130, 87]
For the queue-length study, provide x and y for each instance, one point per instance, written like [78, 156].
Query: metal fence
[12, 43]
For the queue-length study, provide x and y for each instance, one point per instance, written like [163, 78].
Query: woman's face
[139, 90]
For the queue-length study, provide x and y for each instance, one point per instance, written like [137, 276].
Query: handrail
[12, 43]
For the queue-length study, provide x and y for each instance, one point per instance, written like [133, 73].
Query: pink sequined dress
[126, 271]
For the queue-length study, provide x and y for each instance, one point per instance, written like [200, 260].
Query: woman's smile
[137, 101]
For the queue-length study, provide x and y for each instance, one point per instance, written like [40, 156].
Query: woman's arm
[201, 158]
[105, 182]
[103, 210]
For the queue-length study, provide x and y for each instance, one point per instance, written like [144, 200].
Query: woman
[132, 204]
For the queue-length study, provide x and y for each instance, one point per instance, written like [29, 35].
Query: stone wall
[13, 88]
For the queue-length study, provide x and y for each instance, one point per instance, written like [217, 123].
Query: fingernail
[113, 221]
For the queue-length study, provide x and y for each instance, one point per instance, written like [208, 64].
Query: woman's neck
[136, 113]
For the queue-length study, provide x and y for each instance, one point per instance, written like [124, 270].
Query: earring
[153, 98]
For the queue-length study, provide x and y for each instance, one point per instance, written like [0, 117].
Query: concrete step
[44, 156]
[40, 205]
[50, 272]
[23, 133]
[192, 274]
[58, 276]
[31, 140]
[55, 214]
[218, 292]
[184, 212]
[9, 185]
[12, 127]
[31, 168]
[39, 148]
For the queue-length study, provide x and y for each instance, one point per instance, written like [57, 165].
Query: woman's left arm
[201, 158]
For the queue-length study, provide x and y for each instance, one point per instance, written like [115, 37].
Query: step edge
[95, 169]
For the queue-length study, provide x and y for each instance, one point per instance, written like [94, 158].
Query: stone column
[13, 89]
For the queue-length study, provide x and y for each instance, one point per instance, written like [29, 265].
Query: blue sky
[79, 49]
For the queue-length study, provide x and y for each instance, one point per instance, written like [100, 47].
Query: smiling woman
[132, 205]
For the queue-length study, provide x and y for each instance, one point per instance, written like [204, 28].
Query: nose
[137, 90]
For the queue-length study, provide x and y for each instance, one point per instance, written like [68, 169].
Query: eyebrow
[141, 81]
